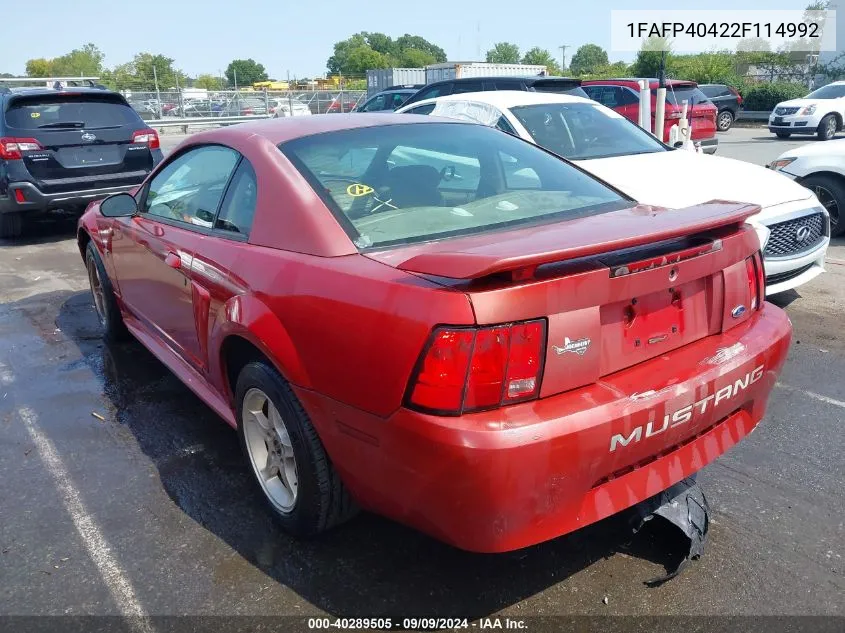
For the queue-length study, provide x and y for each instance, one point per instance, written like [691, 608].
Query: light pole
[563, 56]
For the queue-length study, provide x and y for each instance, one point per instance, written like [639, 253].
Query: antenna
[478, 41]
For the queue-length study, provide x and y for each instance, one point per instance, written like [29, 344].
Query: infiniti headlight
[763, 233]
[780, 163]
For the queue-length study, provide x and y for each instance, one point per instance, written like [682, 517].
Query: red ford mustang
[439, 322]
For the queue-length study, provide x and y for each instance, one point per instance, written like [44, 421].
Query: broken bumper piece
[684, 506]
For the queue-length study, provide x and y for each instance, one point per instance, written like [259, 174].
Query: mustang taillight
[150, 137]
[11, 148]
[756, 280]
[469, 369]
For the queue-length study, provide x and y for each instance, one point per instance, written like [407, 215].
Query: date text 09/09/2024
[784, 30]
[415, 624]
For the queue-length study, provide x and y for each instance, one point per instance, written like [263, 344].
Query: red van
[623, 95]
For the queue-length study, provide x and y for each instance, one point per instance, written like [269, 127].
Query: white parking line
[811, 394]
[98, 548]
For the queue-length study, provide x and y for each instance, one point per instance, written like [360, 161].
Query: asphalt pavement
[124, 495]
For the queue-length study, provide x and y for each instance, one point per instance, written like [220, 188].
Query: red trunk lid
[616, 289]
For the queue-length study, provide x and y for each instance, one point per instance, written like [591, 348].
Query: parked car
[244, 106]
[821, 113]
[727, 100]
[623, 95]
[403, 334]
[564, 85]
[621, 153]
[342, 102]
[284, 107]
[60, 150]
[387, 100]
[820, 168]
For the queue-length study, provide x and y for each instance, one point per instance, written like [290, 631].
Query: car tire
[724, 120]
[11, 224]
[783, 134]
[830, 191]
[827, 127]
[105, 303]
[301, 487]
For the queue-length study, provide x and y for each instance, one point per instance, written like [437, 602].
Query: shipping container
[462, 70]
[384, 78]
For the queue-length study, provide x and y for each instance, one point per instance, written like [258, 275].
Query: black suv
[727, 100]
[61, 149]
[539, 83]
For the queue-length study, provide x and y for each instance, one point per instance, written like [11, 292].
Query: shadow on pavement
[368, 567]
[44, 229]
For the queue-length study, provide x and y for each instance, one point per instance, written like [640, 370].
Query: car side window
[507, 84]
[627, 97]
[375, 104]
[605, 95]
[238, 206]
[397, 99]
[434, 91]
[468, 86]
[423, 109]
[503, 125]
[189, 189]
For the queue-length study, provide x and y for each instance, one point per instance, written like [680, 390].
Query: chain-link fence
[194, 102]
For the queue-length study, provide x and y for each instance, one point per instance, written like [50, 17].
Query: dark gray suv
[61, 149]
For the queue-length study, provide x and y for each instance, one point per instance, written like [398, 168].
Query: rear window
[53, 112]
[400, 184]
[582, 131]
[677, 95]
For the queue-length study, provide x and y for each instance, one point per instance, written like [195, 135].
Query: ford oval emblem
[738, 311]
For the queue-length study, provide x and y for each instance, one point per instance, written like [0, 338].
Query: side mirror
[119, 205]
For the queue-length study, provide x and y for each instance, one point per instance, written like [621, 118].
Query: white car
[794, 228]
[820, 168]
[288, 107]
[821, 113]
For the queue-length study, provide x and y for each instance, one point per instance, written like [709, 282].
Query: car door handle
[173, 260]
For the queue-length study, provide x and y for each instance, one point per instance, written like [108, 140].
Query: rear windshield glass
[400, 184]
[581, 131]
[82, 113]
[691, 94]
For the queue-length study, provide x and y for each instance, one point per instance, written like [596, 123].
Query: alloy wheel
[270, 451]
[829, 202]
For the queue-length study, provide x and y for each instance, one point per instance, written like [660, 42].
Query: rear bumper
[507, 479]
[37, 201]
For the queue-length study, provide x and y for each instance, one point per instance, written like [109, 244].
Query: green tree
[209, 82]
[647, 63]
[167, 76]
[415, 58]
[415, 42]
[541, 57]
[350, 56]
[503, 53]
[87, 61]
[363, 58]
[39, 67]
[245, 72]
[588, 59]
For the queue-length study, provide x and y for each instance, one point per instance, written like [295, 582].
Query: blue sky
[297, 36]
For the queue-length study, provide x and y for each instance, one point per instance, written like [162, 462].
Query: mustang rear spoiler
[479, 256]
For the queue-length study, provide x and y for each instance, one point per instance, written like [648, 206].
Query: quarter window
[238, 207]
[189, 189]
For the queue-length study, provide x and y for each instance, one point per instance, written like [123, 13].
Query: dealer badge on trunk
[578, 346]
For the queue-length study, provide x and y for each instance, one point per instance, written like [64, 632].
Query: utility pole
[563, 56]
